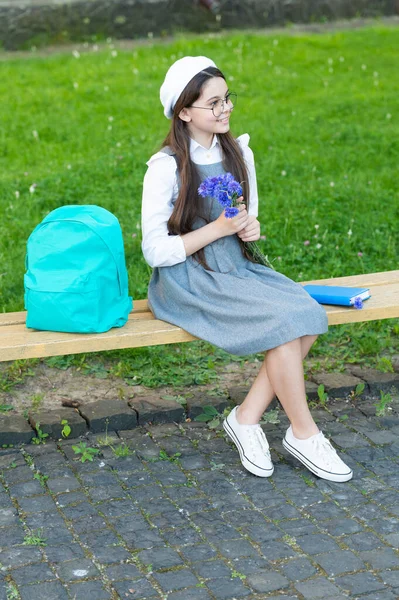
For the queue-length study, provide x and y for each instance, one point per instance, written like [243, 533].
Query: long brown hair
[188, 204]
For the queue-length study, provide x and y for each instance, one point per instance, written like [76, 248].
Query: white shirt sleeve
[248, 155]
[159, 190]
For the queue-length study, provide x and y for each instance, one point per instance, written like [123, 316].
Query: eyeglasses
[218, 106]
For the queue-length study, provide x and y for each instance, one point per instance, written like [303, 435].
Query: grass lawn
[323, 114]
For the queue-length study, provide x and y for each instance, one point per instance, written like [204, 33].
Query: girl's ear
[184, 116]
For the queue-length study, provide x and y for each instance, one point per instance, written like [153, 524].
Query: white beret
[178, 76]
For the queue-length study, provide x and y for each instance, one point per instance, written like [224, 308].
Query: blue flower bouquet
[226, 190]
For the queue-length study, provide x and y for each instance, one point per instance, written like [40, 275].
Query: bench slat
[363, 280]
[141, 306]
[16, 341]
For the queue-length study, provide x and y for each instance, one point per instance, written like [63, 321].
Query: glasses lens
[219, 106]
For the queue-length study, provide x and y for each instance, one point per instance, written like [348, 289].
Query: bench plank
[142, 329]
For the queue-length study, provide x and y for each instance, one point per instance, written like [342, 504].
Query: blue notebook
[336, 294]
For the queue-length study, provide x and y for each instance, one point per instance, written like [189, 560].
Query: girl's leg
[281, 374]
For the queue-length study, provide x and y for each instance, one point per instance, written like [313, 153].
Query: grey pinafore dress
[240, 306]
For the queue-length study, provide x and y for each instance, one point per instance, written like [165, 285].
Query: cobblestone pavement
[180, 519]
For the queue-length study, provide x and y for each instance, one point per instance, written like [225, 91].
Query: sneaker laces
[326, 451]
[257, 438]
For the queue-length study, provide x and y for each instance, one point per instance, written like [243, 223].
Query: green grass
[324, 134]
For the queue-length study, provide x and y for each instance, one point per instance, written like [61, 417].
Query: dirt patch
[49, 387]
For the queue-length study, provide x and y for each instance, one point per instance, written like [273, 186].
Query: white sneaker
[318, 455]
[252, 445]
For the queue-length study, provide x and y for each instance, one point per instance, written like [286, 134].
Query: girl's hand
[251, 232]
[234, 225]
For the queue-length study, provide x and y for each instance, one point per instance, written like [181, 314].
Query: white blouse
[160, 190]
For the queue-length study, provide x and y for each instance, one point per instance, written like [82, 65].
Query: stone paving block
[90, 524]
[337, 385]
[195, 404]
[190, 594]
[236, 548]
[390, 577]
[15, 557]
[198, 552]
[83, 509]
[32, 574]
[276, 550]
[298, 527]
[343, 526]
[106, 493]
[386, 497]
[111, 554]
[45, 519]
[350, 440]
[376, 380]
[170, 519]
[11, 536]
[77, 569]
[181, 536]
[262, 533]
[289, 597]
[382, 558]
[317, 588]
[226, 589]
[64, 484]
[253, 564]
[89, 590]
[117, 508]
[18, 474]
[338, 562]
[359, 583]
[111, 415]
[29, 488]
[325, 510]
[176, 580]
[50, 422]
[123, 571]
[137, 589]
[53, 590]
[384, 595]
[63, 552]
[153, 409]
[8, 517]
[141, 443]
[384, 525]
[267, 581]
[143, 539]
[15, 429]
[160, 558]
[348, 497]
[316, 544]
[391, 539]
[212, 569]
[298, 569]
[53, 535]
[381, 436]
[362, 541]
[36, 504]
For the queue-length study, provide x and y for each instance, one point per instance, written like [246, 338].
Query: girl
[204, 281]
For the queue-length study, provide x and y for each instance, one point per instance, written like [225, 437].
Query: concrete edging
[113, 415]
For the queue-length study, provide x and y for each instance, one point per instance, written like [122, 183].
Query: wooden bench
[142, 329]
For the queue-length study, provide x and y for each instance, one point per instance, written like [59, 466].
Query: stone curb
[114, 414]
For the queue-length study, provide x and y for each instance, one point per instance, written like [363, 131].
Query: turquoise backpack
[76, 278]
